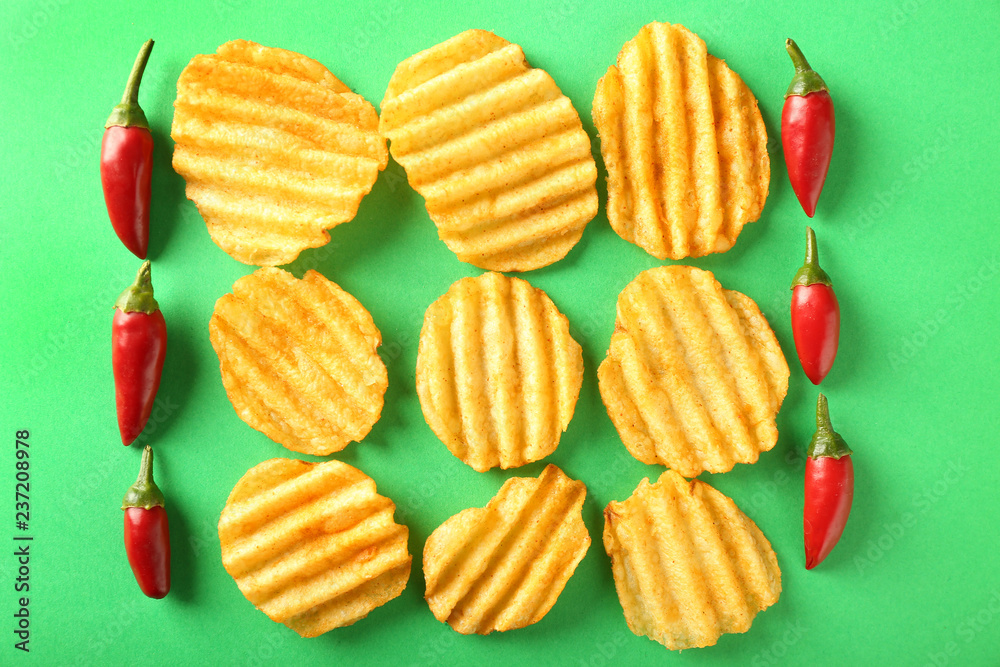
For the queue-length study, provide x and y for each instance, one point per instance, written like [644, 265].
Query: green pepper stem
[128, 113]
[812, 252]
[823, 423]
[799, 60]
[138, 297]
[131, 95]
[810, 272]
[144, 493]
[826, 441]
[806, 80]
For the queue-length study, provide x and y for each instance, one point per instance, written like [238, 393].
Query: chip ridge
[298, 360]
[480, 180]
[690, 381]
[684, 172]
[688, 565]
[503, 566]
[498, 373]
[331, 569]
[274, 149]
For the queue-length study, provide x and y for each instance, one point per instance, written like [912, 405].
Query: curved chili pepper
[147, 536]
[815, 315]
[138, 347]
[807, 128]
[127, 163]
[829, 488]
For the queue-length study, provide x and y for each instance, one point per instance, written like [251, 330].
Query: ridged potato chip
[684, 144]
[694, 376]
[498, 373]
[312, 545]
[298, 360]
[274, 148]
[689, 566]
[496, 150]
[503, 566]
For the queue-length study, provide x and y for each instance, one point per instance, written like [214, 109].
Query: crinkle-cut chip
[684, 144]
[298, 360]
[503, 566]
[694, 376]
[274, 148]
[496, 150]
[688, 565]
[313, 545]
[498, 373]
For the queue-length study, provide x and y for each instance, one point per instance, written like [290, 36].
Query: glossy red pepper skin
[808, 126]
[815, 315]
[126, 176]
[127, 164]
[147, 543]
[815, 328]
[147, 533]
[829, 492]
[829, 489]
[138, 349]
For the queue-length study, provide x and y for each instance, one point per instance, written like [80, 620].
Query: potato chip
[689, 566]
[684, 144]
[298, 360]
[694, 376]
[502, 567]
[312, 545]
[498, 373]
[274, 148]
[496, 150]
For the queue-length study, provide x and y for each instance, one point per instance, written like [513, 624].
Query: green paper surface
[907, 227]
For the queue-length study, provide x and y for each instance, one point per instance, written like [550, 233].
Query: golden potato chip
[274, 148]
[312, 545]
[502, 567]
[694, 376]
[498, 373]
[298, 360]
[684, 144]
[689, 566]
[496, 150]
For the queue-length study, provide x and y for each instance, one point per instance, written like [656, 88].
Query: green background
[907, 227]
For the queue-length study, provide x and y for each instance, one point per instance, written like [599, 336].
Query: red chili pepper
[127, 163]
[815, 315]
[829, 488]
[138, 346]
[807, 127]
[147, 536]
